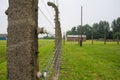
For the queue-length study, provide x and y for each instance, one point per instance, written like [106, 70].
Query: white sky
[93, 11]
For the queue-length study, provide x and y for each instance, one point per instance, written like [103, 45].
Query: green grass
[89, 62]
[2, 60]
[46, 48]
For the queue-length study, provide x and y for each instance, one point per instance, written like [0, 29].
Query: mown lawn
[46, 48]
[2, 60]
[90, 62]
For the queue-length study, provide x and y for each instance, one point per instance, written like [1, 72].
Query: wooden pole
[117, 39]
[81, 26]
[92, 36]
[105, 38]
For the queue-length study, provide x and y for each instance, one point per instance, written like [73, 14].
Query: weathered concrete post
[56, 23]
[22, 44]
[58, 41]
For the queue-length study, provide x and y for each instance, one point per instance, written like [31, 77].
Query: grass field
[90, 62]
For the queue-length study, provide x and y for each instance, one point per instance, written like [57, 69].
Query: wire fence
[53, 65]
[51, 70]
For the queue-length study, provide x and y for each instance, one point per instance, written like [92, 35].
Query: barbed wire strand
[51, 61]
[46, 17]
[47, 9]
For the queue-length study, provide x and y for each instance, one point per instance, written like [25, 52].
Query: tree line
[101, 30]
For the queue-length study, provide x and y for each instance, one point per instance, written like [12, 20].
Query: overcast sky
[70, 15]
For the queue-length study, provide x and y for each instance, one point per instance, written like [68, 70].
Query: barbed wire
[46, 17]
[47, 9]
[53, 64]
[53, 61]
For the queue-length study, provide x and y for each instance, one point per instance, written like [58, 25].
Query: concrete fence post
[58, 39]
[22, 41]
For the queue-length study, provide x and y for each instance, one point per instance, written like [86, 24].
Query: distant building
[76, 37]
[3, 36]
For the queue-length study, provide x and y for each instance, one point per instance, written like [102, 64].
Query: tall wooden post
[22, 44]
[81, 26]
[92, 36]
[105, 38]
[117, 39]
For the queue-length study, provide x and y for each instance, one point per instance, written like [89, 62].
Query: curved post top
[53, 5]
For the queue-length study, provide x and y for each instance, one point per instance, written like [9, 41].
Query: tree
[98, 30]
[69, 32]
[78, 29]
[116, 25]
[101, 30]
[105, 29]
[110, 35]
[95, 30]
[87, 30]
[117, 36]
[74, 31]
[116, 28]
